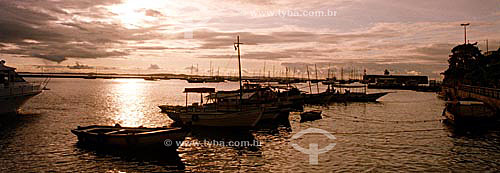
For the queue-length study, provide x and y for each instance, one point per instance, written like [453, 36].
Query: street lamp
[465, 31]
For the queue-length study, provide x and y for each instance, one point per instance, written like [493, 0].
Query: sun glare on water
[128, 99]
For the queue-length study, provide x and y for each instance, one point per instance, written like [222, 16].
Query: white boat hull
[11, 104]
[248, 118]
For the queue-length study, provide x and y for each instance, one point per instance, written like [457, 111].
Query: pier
[490, 96]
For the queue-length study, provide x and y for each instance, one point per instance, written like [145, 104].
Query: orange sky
[407, 37]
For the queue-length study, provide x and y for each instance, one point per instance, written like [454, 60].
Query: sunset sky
[407, 37]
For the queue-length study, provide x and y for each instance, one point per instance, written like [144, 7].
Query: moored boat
[311, 115]
[195, 80]
[238, 108]
[130, 137]
[220, 110]
[468, 112]
[14, 90]
[355, 92]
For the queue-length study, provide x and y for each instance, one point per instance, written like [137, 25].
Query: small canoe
[130, 137]
[310, 115]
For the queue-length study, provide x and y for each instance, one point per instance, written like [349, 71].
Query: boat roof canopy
[199, 90]
[231, 95]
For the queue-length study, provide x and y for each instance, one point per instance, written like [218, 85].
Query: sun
[133, 13]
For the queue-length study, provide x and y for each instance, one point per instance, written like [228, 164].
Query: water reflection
[128, 160]
[128, 101]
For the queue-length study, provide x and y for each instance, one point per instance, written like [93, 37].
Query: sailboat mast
[237, 45]
[342, 73]
[309, 79]
[328, 72]
[286, 74]
[316, 72]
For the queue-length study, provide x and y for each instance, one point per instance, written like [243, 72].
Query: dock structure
[490, 96]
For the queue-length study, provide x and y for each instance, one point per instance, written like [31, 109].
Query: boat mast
[328, 78]
[237, 46]
[309, 79]
[287, 80]
[342, 73]
[316, 72]
[328, 71]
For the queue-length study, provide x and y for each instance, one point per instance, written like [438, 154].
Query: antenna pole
[465, 31]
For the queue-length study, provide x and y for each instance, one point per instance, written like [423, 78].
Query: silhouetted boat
[310, 115]
[90, 76]
[217, 112]
[468, 112]
[15, 91]
[130, 137]
[195, 80]
[214, 80]
[238, 108]
[354, 92]
[151, 78]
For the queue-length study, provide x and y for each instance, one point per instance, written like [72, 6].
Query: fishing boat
[216, 112]
[222, 109]
[354, 92]
[130, 137]
[195, 80]
[90, 76]
[14, 90]
[290, 97]
[151, 78]
[311, 115]
[214, 80]
[468, 112]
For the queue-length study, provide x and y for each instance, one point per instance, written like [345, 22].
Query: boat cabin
[252, 94]
[8, 75]
[200, 91]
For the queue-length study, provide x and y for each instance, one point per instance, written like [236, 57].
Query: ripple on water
[401, 132]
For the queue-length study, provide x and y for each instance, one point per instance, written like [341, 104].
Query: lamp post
[465, 31]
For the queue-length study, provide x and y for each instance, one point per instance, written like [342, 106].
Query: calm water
[402, 132]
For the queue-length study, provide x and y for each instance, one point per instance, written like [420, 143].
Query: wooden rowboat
[311, 115]
[130, 137]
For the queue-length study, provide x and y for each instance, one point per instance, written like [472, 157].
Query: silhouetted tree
[467, 65]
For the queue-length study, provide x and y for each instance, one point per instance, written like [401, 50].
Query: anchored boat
[14, 90]
[223, 108]
[355, 92]
[468, 112]
[130, 137]
[311, 115]
[215, 112]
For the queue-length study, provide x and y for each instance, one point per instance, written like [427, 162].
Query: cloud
[386, 34]
[154, 67]
[153, 13]
[55, 38]
[54, 58]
